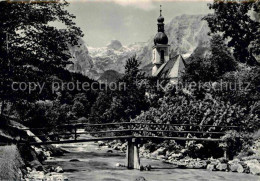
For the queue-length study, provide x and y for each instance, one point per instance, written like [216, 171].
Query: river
[96, 164]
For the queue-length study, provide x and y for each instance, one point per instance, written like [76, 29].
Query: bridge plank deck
[125, 137]
[131, 130]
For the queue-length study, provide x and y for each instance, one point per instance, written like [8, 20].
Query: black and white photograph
[129, 90]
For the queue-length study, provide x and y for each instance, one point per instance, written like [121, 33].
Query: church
[165, 66]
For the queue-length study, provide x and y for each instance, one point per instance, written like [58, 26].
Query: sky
[128, 21]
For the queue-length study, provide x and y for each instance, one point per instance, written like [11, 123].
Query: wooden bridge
[132, 132]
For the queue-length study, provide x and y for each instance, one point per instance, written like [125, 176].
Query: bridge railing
[134, 129]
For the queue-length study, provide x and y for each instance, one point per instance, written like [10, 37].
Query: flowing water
[95, 164]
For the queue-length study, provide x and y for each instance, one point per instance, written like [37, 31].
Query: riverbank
[88, 161]
[36, 170]
[246, 164]
[11, 163]
[24, 162]
[18, 163]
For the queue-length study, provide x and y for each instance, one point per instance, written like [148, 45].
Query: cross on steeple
[160, 10]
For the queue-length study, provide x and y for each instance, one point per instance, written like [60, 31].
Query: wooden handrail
[129, 123]
[132, 130]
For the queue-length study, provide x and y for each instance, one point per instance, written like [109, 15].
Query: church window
[162, 55]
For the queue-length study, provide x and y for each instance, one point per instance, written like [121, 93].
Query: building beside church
[165, 66]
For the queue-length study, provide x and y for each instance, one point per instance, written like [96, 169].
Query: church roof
[172, 68]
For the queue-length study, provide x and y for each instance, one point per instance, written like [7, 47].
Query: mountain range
[187, 34]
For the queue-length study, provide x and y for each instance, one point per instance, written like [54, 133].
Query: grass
[10, 163]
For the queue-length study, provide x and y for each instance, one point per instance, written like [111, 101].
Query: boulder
[50, 169]
[183, 151]
[119, 165]
[117, 146]
[200, 165]
[123, 147]
[214, 162]
[235, 161]
[47, 153]
[28, 169]
[190, 165]
[222, 167]
[211, 167]
[36, 175]
[58, 169]
[236, 167]
[168, 153]
[55, 176]
[176, 155]
[161, 157]
[160, 151]
[101, 143]
[254, 166]
[246, 168]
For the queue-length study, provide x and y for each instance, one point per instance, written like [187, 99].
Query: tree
[241, 31]
[203, 71]
[221, 60]
[125, 102]
[100, 107]
[212, 67]
[132, 99]
[32, 50]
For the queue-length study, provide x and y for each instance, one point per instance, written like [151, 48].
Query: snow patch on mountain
[113, 57]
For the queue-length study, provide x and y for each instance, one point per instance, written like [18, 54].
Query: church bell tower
[161, 47]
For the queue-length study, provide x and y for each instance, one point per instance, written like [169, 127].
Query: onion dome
[161, 38]
[160, 19]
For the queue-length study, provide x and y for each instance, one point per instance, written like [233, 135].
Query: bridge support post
[225, 149]
[226, 155]
[132, 154]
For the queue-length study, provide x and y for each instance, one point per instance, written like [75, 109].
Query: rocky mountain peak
[115, 45]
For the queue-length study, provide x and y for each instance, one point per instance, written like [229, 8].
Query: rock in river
[58, 169]
[236, 167]
[222, 167]
[254, 166]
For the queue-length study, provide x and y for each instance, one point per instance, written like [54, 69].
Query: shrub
[237, 143]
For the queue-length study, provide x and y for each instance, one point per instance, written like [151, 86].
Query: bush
[187, 110]
[238, 143]
[184, 109]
